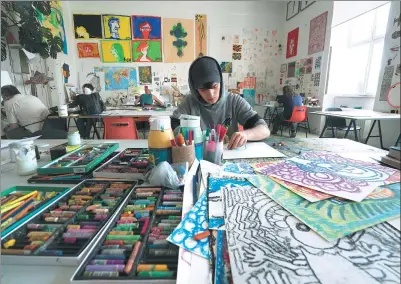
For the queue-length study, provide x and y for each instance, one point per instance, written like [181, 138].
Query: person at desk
[214, 106]
[288, 100]
[147, 98]
[23, 110]
[90, 103]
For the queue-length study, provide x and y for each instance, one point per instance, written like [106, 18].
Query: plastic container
[25, 157]
[74, 139]
[193, 123]
[62, 110]
[159, 139]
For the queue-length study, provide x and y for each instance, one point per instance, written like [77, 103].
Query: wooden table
[353, 116]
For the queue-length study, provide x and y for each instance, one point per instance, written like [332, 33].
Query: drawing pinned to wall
[145, 75]
[237, 48]
[283, 68]
[386, 82]
[318, 63]
[116, 27]
[200, 35]
[118, 78]
[147, 51]
[87, 26]
[94, 79]
[54, 22]
[66, 72]
[146, 27]
[237, 56]
[88, 50]
[291, 70]
[178, 40]
[317, 33]
[254, 222]
[292, 9]
[249, 96]
[292, 43]
[226, 67]
[250, 82]
[316, 79]
[116, 51]
[236, 39]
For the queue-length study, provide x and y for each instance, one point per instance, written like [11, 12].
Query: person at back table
[23, 110]
[147, 98]
[288, 100]
[90, 103]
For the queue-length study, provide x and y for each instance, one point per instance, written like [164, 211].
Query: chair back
[337, 121]
[299, 114]
[120, 128]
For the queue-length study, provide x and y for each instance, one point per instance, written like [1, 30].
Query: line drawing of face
[145, 29]
[114, 26]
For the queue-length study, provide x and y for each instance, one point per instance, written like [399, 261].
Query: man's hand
[238, 139]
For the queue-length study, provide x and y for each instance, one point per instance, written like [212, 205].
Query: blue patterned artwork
[332, 174]
[238, 168]
[335, 218]
[193, 223]
[216, 214]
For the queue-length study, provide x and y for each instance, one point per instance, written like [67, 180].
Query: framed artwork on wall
[292, 9]
[304, 4]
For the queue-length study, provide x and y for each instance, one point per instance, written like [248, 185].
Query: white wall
[347, 10]
[223, 18]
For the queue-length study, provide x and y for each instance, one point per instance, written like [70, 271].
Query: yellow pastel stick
[9, 243]
[9, 207]
[23, 197]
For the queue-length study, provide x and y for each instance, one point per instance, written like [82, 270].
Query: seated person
[214, 106]
[288, 100]
[147, 98]
[90, 103]
[23, 110]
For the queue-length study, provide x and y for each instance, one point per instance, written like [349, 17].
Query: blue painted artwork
[146, 27]
[223, 267]
[249, 96]
[118, 78]
[193, 223]
[216, 212]
[238, 168]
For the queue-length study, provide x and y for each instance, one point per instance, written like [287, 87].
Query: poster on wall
[54, 21]
[87, 26]
[88, 50]
[118, 78]
[291, 70]
[145, 75]
[226, 67]
[292, 43]
[317, 33]
[386, 82]
[178, 40]
[116, 51]
[116, 27]
[147, 51]
[318, 63]
[249, 96]
[200, 35]
[146, 27]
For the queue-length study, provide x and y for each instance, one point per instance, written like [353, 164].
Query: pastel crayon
[33, 193]
[163, 252]
[113, 251]
[126, 227]
[152, 267]
[107, 267]
[43, 226]
[38, 233]
[81, 230]
[156, 274]
[130, 262]
[111, 247]
[160, 242]
[121, 233]
[79, 235]
[101, 274]
[109, 256]
[114, 242]
[169, 208]
[51, 252]
[126, 237]
[174, 217]
[106, 261]
[9, 243]
[15, 251]
[125, 221]
[145, 226]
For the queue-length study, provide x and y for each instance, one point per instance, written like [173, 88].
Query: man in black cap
[209, 101]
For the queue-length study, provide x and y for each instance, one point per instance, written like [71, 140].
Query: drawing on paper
[215, 185]
[178, 40]
[283, 68]
[237, 48]
[194, 222]
[331, 173]
[249, 96]
[318, 63]
[223, 267]
[118, 78]
[386, 82]
[335, 218]
[88, 50]
[226, 67]
[268, 245]
[238, 168]
[317, 33]
[145, 75]
[316, 80]
[291, 70]
[87, 26]
[200, 35]
[116, 27]
[147, 51]
[292, 43]
[54, 22]
[116, 51]
[237, 56]
[146, 27]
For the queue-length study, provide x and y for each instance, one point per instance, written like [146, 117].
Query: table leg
[370, 131]
[380, 134]
[355, 130]
[95, 128]
[398, 140]
[349, 127]
[332, 128]
[68, 124]
[324, 128]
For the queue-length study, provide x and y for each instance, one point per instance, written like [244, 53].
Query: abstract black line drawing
[273, 246]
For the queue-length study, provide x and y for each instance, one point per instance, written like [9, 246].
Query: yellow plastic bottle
[159, 140]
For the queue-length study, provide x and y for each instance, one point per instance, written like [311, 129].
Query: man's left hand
[238, 139]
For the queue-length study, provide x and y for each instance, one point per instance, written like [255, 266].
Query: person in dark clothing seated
[90, 103]
[288, 100]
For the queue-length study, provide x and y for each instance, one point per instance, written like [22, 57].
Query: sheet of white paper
[252, 150]
[395, 223]
[6, 143]
[208, 168]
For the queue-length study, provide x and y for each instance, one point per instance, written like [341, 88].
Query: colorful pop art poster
[116, 27]
[116, 51]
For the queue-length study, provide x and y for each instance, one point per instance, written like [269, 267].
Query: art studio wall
[227, 24]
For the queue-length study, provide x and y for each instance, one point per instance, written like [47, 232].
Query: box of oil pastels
[130, 164]
[134, 249]
[64, 232]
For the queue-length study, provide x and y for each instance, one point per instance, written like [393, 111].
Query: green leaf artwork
[180, 34]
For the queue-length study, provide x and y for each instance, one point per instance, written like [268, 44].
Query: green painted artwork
[147, 51]
[336, 217]
[180, 34]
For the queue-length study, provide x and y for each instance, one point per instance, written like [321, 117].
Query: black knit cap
[204, 70]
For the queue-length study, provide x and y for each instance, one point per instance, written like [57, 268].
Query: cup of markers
[183, 150]
[213, 144]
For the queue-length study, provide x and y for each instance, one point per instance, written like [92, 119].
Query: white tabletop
[358, 114]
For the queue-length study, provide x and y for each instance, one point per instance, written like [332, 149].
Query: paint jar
[193, 123]
[62, 110]
[74, 139]
[25, 156]
[159, 139]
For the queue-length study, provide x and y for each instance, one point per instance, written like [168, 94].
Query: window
[356, 54]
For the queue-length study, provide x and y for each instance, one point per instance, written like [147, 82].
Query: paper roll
[183, 154]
